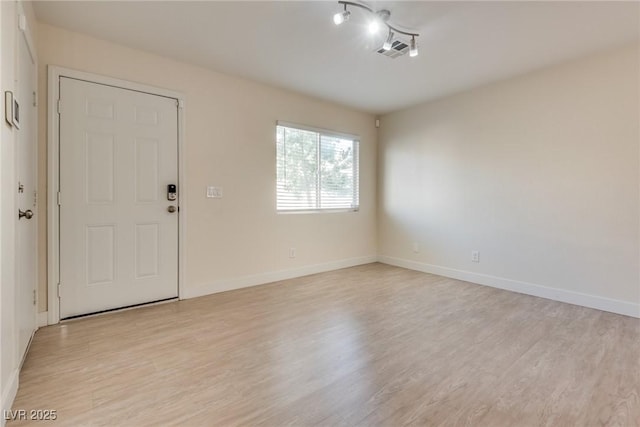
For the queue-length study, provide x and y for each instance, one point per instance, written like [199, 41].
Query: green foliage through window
[315, 170]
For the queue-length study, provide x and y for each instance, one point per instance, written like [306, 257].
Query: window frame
[356, 166]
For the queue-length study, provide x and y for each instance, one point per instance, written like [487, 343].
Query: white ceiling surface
[295, 45]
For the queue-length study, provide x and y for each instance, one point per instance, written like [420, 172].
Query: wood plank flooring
[366, 346]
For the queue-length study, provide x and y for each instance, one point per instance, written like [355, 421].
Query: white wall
[230, 142]
[539, 173]
[9, 359]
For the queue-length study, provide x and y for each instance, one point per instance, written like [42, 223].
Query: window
[316, 169]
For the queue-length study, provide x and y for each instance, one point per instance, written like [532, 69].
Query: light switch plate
[214, 192]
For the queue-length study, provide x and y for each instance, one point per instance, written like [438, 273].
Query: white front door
[118, 228]
[26, 222]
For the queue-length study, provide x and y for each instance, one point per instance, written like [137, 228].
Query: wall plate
[8, 107]
[214, 192]
[16, 114]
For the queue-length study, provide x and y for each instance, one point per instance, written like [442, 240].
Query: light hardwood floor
[370, 345]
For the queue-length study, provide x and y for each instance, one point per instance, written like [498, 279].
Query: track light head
[413, 48]
[374, 26]
[341, 17]
[379, 20]
[387, 43]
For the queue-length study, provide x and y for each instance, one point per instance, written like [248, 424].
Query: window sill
[317, 211]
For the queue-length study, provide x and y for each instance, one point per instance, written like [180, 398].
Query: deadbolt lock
[172, 192]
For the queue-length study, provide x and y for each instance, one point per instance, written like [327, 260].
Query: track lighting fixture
[413, 49]
[379, 19]
[374, 26]
[387, 43]
[341, 17]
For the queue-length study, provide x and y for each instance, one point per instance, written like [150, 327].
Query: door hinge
[58, 290]
[59, 106]
[59, 199]
[35, 99]
[34, 297]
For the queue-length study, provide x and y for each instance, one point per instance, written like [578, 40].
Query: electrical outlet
[214, 192]
[416, 247]
[292, 252]
[475, 256]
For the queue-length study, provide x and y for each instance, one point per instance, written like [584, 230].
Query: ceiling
[295, 45]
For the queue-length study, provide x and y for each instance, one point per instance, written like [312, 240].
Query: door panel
[147, 170]
[100, 254]
[26, 228]
[147, 242]
[100, 166]
[118, 241]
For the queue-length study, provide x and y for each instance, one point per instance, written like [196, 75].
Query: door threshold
[125, 308]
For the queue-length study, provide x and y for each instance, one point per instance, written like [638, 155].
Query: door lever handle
[25, 214]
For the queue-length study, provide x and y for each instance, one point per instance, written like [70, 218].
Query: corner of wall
[555, 294]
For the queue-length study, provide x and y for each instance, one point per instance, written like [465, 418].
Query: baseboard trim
[43, 319]
[9, 394]
[261, 279]
[570, 297]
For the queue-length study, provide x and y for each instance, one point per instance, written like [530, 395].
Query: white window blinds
[316, 170]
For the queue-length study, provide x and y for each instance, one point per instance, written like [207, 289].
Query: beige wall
[539, 173]
[230, 142]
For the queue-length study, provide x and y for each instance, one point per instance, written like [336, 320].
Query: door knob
[171, 209]
[26, 214]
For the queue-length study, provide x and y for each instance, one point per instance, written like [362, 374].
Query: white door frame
[53, 175]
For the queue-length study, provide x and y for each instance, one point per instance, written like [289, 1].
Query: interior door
[26, 227]
[118, 226]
